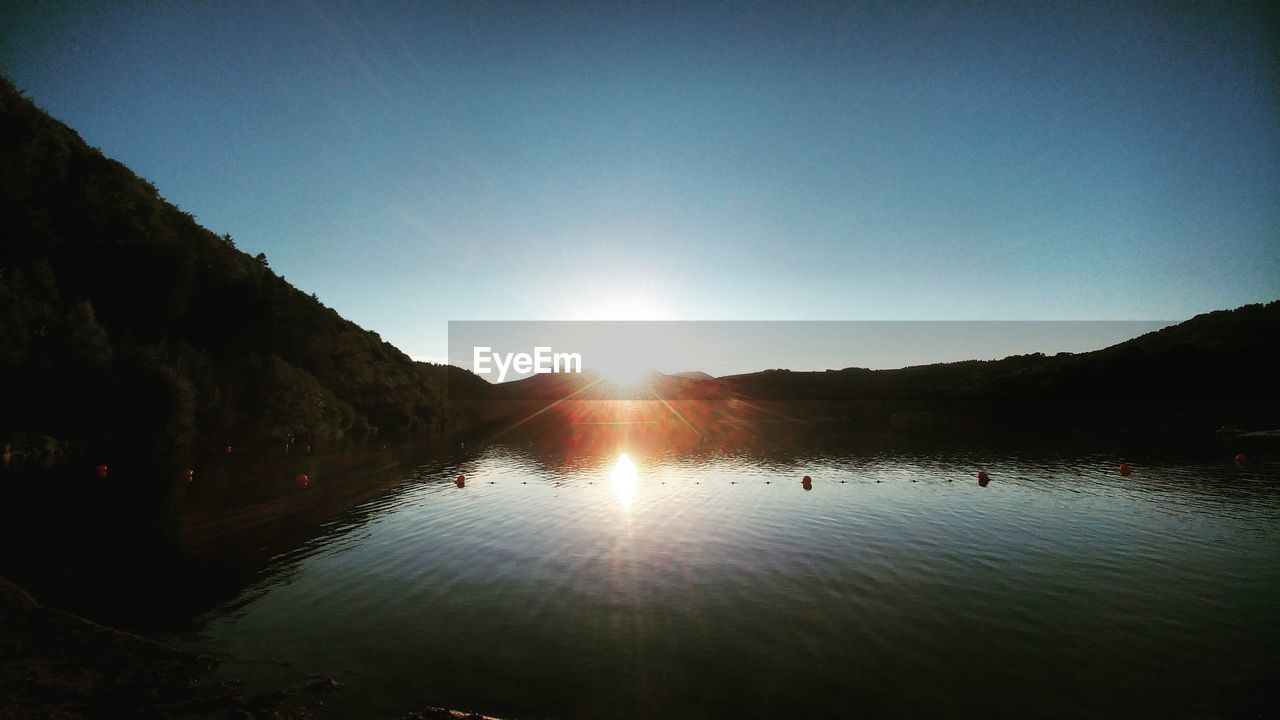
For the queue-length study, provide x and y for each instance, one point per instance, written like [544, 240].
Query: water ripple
[722, 588]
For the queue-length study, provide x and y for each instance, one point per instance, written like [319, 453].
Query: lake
[713, 584]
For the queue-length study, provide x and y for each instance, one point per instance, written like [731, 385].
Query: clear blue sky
[421, 162]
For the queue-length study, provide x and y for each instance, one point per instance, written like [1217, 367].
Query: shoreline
[59, 665]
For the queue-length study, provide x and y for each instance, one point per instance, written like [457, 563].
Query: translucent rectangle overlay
[508, 351]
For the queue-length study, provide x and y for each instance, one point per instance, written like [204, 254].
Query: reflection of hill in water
[116, 551]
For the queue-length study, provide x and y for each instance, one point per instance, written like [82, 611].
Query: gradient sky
[424, 162]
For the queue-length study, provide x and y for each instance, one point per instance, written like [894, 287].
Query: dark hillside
[123, 320]
[1217, 369]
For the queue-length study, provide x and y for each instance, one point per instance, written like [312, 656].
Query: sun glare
[623, 374]
[624, 362]
[608, 303]
[624, 480]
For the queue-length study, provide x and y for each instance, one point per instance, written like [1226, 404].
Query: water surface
[713, 584]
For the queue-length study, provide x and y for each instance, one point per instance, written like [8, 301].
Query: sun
[623, 374]
[619, 353]
[613, 297]
[621, 357]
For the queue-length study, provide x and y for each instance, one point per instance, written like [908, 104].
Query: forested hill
[122, 320]
[1216, 369]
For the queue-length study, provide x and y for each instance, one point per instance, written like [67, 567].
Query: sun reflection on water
[624, 480]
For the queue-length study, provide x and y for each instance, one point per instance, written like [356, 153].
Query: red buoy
[1125, 469]
[462, 481]
[302, 479]
[101, 470]
[806, 479]
[1240, 457]
[983, 478]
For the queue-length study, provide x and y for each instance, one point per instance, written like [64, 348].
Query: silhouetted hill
[694, 375]
[459, 383]
[1214, 370]
[123, 320]
[589, 385]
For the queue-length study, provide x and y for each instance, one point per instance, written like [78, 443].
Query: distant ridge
[693, 375]
[1214, 371]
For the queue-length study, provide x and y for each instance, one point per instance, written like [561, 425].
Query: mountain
[694, 375]
[122, 320]
[1214, 370]
[589, 385]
